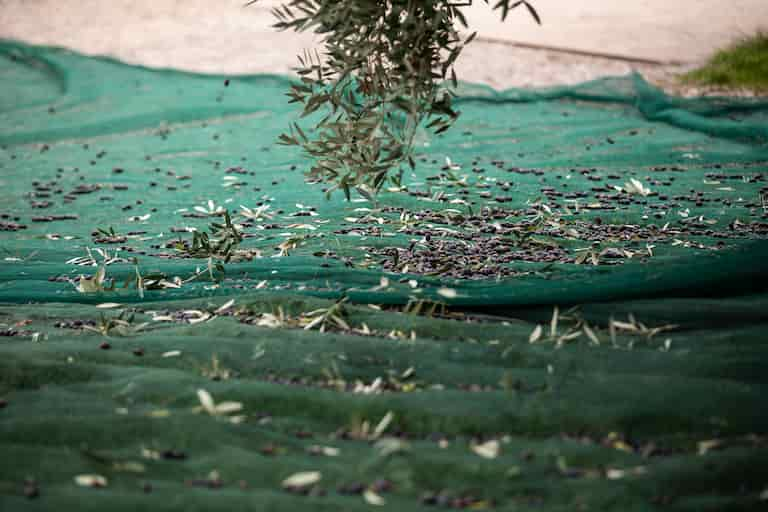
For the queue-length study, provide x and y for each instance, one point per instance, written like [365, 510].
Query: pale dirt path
[664, 30]
[221, 36]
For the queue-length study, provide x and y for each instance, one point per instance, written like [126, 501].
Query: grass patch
[744, 64]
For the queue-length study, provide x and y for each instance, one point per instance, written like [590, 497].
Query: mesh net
[645, 211]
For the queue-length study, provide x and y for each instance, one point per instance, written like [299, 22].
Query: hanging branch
[387, 67]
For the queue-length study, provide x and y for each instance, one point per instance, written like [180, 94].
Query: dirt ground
[227, 37]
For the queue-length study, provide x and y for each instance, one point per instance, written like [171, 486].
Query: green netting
[535, 208]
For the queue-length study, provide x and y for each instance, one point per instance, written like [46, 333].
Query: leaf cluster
[218, 245]
[387, 67]
[121, 325]
[220, 242]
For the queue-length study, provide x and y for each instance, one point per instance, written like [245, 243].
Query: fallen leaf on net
[91, 481]
[373, 498]
[302, 479]
[487, 450]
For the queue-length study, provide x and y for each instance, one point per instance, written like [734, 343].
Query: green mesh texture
[528, 195]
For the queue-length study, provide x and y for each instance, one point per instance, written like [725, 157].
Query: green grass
[742, 65]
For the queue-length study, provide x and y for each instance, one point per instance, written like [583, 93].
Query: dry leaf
[225, 307]
[389, 445]
[206, 400]
[705, 446]
[150, 454]
[625, 326]
[92, 284]
[591, 334]
[568, 337]
[208, 405]
[536, 334]
[383, 424]
[553, 322]
[448, 293]
[91, 481]
[634, 186]
[488, 450]
[203, 318]
[302, 479]
[228, 407]
[373, 499]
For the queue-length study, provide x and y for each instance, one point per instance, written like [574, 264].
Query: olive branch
[386, 69]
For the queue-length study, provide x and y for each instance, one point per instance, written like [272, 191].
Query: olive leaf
[302, 479]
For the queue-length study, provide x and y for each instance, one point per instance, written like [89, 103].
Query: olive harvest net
[562, 307]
